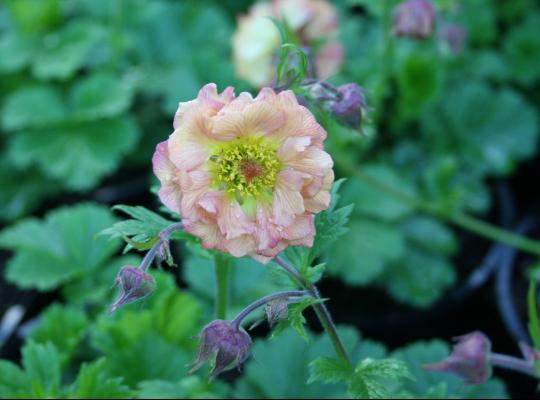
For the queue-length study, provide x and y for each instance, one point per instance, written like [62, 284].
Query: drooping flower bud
[470, 359]
[350, 106]
[134, 284]
[223, 345]
[277, 310]
[453, 37]
[414, 19]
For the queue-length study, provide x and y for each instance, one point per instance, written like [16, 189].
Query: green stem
[223, 272]
[321, 310]
[462, 220]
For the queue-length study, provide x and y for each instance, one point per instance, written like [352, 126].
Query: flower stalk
[223, 277]
[321, 310]
[285, 296]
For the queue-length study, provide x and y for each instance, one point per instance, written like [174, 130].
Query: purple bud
[134, 284]
[470, 359]
[453, 36]
[350, 105]
[225, 346]
[277, 310]
[414, 19]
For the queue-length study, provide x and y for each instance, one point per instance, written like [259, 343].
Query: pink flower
[256, 41]
[246, 174]
[414, 19]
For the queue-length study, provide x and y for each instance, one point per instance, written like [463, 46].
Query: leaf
[285, 360]
[418, 278]
[192, 387]
[368, 201]
[101, 95]
[368, 378]
[13, 381]
[66, 50]
[369, 247]
[328, 370]
[60, 248]
[143, 227]
[15, 52]
[93, 382]
[494, 128]
[430, 234]
[295, 318]
[64, 327]
[534, 322]
[522, 49]
[19, 111]
[78, 154]
[428, 384]
[41, 363]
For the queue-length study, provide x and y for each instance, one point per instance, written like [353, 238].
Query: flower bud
[453, 37]
[277, 310]
[350, 105]
[223, 345]
[134, 284]
[470, 359]
[414, 18]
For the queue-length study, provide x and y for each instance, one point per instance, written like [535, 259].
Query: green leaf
[100, 96]
[41, 363]
[78, 154]
[285, 358]
[369, 247]
[522, 50]
[60, 248]
[15, 52]
[13, 381]
[143, 227]
[430, 234]
[93, 382]
[19, 111]
[192, 387]
[534, 322]
[295, 318]
[418, 278]
[429, 384]
[368, 380]
[66, 50]
[64, 327]
[480, 20]
[368, 201]
[329, 370]
[493, 128]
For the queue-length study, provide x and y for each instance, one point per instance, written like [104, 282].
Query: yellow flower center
[246, 167]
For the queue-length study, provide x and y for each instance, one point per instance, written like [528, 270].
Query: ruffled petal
[287, 201]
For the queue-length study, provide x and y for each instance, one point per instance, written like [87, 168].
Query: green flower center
[246, 167]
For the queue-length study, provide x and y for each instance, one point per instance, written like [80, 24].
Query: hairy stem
[223, 272]
[514, 364]
[264, 300]
[461, 220]
[320, 309]
[163, 238]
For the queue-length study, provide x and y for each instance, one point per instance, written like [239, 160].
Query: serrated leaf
[329, 370]
[368, 378]
[369, 248]
[93, 382]
[100, 96]
[79, 154]
[494, 128]
[15, 52]
[13, 381]
[66, 50]
[295, 318]
[522, 50]
[419, 278]
[60, 248]
[64, 327]
[41, 364]
[192, 387]
[19, 111]
[430, 234]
